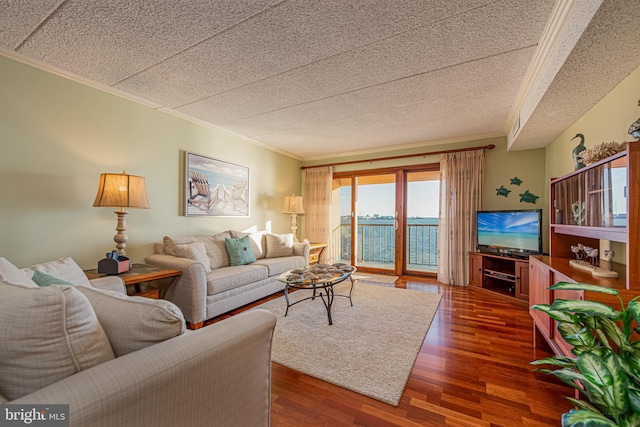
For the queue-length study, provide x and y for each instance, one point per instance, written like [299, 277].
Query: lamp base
[121, 238]
[294, 227]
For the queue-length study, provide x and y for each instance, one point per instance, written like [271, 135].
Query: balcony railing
[376, 245]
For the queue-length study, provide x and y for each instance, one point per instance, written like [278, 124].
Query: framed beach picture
[215, 187]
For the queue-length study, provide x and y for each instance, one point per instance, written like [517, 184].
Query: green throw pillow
[240, 251]
[44, 279]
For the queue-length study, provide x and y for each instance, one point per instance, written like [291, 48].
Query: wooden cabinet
[475, 269]
[504, 276]
[315, 251]
[522, 280]
[598, 202]
[539, 293]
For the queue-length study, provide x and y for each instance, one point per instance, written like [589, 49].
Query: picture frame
[215, 187]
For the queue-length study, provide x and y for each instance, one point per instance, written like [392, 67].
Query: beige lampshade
[292, 204]
[121, 191]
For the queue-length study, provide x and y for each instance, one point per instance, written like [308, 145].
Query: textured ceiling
[324, 78]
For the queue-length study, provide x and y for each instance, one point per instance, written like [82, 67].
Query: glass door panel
[342, 220]
[376, 221]
[421, 230]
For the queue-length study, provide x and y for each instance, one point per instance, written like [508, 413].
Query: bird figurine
[577, 162]
[634, 129]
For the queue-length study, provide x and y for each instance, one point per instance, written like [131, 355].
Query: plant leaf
[561, 361]
[591, 308]
[576, 335]
[583, 404]
[558, 316]
[634, 400]
[584, 417]
[614, 334]
[568, 286]
[605, 383]
[634, 309]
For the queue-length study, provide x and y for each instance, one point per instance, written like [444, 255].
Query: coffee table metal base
[317, 291]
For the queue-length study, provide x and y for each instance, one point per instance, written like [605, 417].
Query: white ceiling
[324, 78]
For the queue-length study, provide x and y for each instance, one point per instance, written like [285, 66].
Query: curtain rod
[480, 147]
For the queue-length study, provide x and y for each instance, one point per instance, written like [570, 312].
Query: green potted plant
[606, 366]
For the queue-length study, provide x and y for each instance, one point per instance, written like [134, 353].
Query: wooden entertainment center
[592, 206]
[505, 276]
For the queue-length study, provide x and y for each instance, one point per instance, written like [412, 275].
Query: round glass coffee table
[320, 279]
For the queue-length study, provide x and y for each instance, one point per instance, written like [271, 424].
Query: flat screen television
[512, 233]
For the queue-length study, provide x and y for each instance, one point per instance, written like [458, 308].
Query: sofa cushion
[65, 268]
[195, 251]
[216, 250]
[132, 323]
[279, 245]
[257, 241]
[231, 277]
[44, 279]
[171, 242]
[240, 251]
[9, 273]
[277, 266]
[48, 334]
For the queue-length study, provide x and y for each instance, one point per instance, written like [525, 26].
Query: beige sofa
[210, 285]
[126, 361]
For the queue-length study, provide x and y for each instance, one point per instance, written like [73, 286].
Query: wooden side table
[316, 250]
[138, 277]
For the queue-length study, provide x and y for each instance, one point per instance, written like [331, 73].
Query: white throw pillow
[133, 323]
[47, 335]
[279, 245]
[65, 268]
[195, 251]
[9, 273]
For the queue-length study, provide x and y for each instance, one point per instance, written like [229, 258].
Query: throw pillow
[216, 250]
[240, 251]
[47, 335]
[44, 279]
[195, 251]
[171, 242]
[65, 268]
[257, 241]
[279, 245]
[133, 323]
[9, 273]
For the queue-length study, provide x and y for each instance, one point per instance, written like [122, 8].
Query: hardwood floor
[472, 370]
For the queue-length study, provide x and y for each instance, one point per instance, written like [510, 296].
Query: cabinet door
[522, 280]
[557, 338]
[539, 282]
[475, 269]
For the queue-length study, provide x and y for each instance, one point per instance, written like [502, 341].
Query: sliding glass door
[386, 220]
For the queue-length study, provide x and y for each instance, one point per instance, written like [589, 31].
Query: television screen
[513, 231]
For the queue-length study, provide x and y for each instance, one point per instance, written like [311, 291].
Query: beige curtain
[317, 199]
[461, 176]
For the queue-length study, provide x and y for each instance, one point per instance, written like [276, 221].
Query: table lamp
[293, 205]
[121, 191]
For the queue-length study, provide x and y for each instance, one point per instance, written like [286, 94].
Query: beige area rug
[376, 278]
[370, 348]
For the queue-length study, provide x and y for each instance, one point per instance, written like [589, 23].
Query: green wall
[608, 120]
[58, 135]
